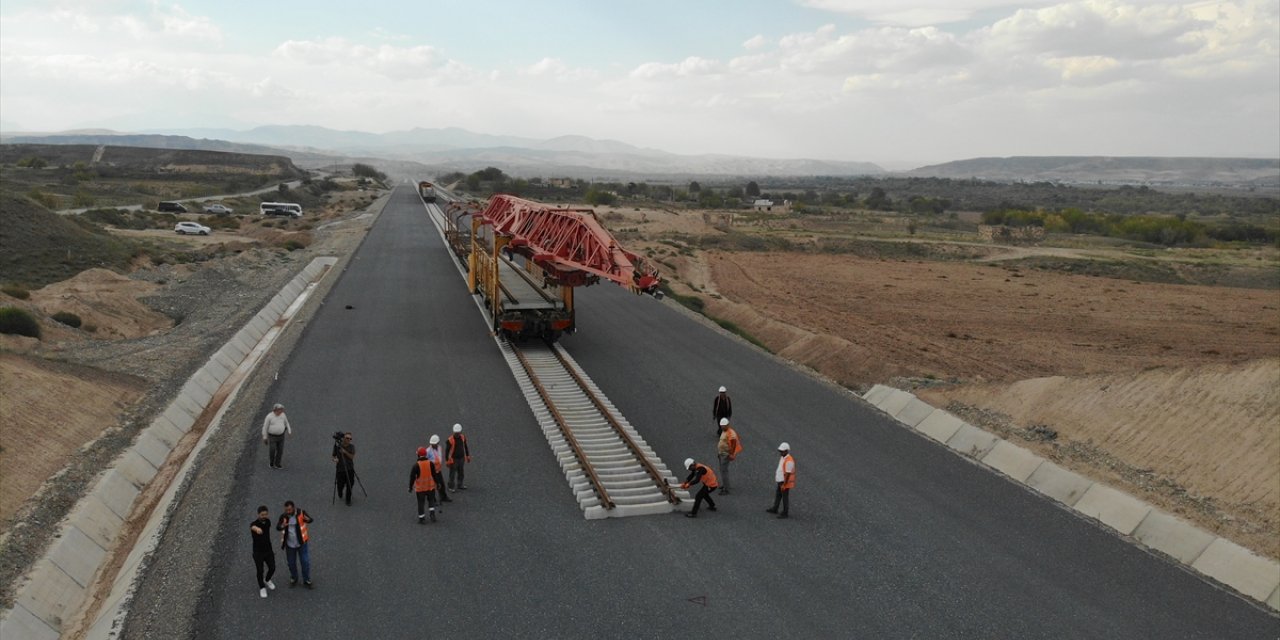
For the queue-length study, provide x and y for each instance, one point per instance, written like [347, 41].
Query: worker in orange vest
[727, 451]
[293, 523]
[422, 482]
[786, 479]
[456, 456]
[700, 473]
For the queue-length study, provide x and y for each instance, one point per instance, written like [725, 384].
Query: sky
[897, 82]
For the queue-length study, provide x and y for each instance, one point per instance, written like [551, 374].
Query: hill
[38, 247]
[1170, 172]
[453, 149]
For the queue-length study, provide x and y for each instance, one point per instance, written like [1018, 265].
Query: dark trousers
[264, 560]
[275, 449]
[425, 498]
[703, 494]
[457, 472]
[782, 496]
[345, 479]
[439, 478]
[294, 557]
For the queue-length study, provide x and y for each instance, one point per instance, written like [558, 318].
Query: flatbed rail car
[427, 191]
[525, 259]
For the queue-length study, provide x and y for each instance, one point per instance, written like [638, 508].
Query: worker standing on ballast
[786, 479]
[700, 473]
[726, 452]
[422, 482]
[457, 455]
[721, 409]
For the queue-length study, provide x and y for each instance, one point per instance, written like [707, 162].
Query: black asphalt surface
[891, 536]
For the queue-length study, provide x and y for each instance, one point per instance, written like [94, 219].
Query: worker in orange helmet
[786, 479]
[700, 473]
[422, 482]
[727, 451]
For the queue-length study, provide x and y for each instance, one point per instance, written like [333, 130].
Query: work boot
[421, 519]
[771, 510]
[711, 508]
[691, 515]
[782, 515]
[433, 516]
[451, 486]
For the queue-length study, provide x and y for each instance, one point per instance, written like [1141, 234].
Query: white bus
[280, 209]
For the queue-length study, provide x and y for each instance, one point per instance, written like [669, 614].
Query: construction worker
[457, 455]
[786, 479]
[726, 452]
[422, 482]
[721, 408]
[437, 469]
[700, 473]
[293, 523]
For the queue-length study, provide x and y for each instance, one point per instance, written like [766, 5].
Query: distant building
[561, 183]
[762, 205]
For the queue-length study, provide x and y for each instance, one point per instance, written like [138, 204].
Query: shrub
[16, 291]
[19, 322]
[293, 245]
[66, 317]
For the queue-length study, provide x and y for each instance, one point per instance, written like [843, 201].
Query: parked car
[183, 228]
[172, 207]
[218, 209]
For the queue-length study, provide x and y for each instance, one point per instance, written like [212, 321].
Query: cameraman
[344, 456]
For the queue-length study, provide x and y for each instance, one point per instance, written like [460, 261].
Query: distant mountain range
[453, 149]
[423, 151]
[1191, 172]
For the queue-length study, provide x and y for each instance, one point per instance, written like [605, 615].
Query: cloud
[387, 60]
[691, 66]
[755, 42]
[916, 13]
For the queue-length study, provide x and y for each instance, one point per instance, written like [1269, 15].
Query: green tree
[596, 197]
[753, 189]
[361, 170]
[694, 187]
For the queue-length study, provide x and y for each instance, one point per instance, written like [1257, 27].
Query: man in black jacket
[264, 555]
[344, 456]
[721, 408]
[700, 474]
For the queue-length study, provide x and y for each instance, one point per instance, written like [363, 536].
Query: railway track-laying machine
[526, 258]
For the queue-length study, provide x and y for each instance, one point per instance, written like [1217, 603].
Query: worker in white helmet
[700, 474]
[727, 451]
[721, 409]
[457, 454]
[786, 479]
[436, 456]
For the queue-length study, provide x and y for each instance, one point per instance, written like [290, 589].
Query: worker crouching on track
[422, 482]
[700, 473]
[786, 479]
[457, 455]
[727, 451]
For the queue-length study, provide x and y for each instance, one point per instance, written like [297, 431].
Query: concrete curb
[1207, 554]
[54, 595]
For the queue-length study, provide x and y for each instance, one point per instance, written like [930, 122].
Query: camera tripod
[350, 472]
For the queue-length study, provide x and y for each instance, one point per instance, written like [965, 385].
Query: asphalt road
[891, 536]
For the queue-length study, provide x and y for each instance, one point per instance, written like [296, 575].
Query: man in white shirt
[274, 428]
[785, 476]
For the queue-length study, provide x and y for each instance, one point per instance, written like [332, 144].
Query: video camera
[337, 437]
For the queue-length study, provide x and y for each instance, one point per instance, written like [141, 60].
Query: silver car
[218, 209]
[184, 228]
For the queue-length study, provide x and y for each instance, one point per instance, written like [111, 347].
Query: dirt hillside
[50, 409]
[1213, 431]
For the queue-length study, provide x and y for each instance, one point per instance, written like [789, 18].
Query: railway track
[610, 469]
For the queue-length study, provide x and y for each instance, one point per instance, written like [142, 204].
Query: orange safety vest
[735, 444]
[302, 527]
[425, 481]
[708, 478]
[788, 479]
[455, 446]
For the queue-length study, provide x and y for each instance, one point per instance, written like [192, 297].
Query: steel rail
[657, 477]
[583, 461]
